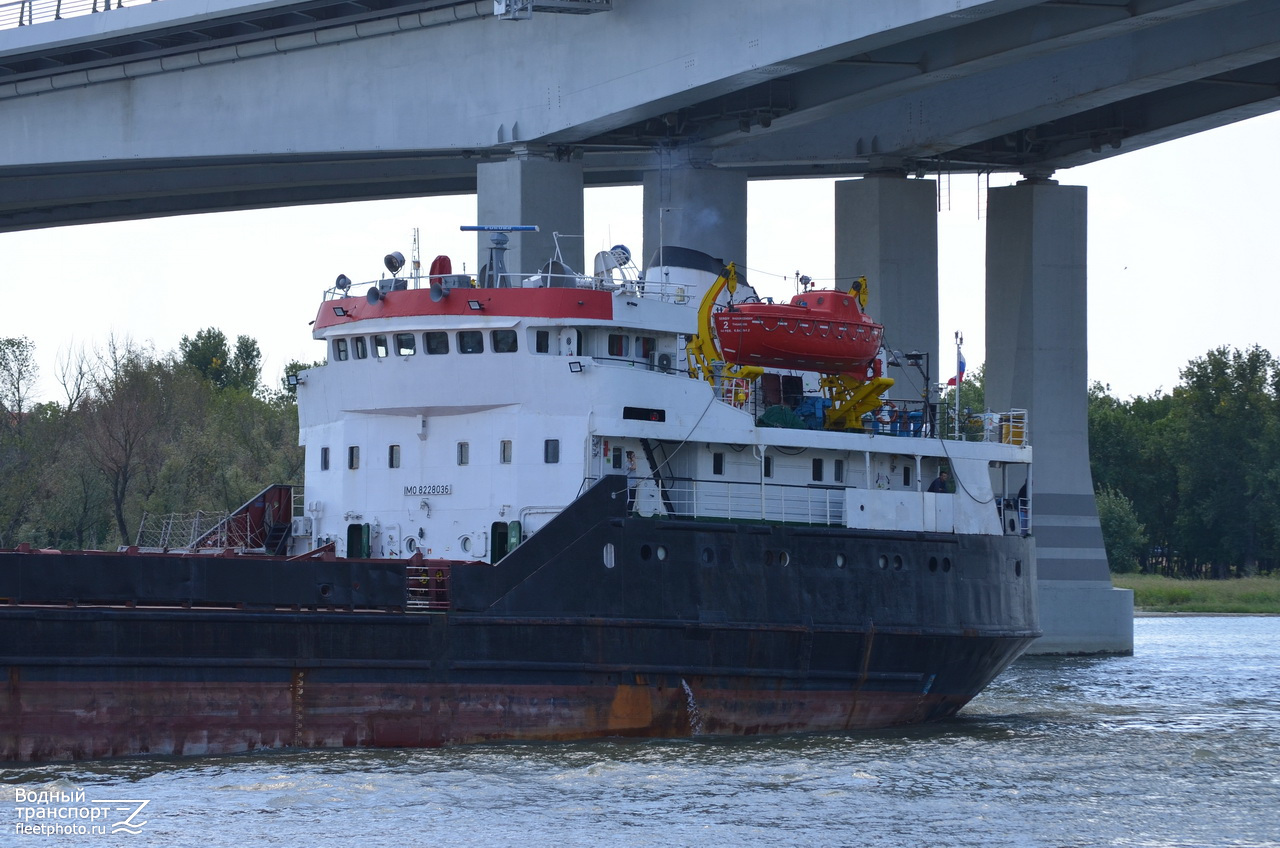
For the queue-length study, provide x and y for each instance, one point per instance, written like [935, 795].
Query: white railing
[16, 13]
[650, 289]
[685, 497]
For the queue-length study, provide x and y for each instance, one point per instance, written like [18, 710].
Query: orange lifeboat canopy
[824, 331]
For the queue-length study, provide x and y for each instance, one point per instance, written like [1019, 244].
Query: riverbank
[1252, 595]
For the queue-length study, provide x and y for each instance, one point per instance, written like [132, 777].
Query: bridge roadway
[176, 107]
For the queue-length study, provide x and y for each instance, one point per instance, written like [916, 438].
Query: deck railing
[16, 13]
[687, 497]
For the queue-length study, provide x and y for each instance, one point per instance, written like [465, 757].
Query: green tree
[1122, 533]
[1224, 439]
[210, 356]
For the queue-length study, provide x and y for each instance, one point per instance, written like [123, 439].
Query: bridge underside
[153, 110]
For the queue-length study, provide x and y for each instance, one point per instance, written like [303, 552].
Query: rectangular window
[768, 466]
[504, 452]
[837, 471]
[542, 341]
[435, 343]
[645, 346]
[616, 458]
[504, 341]
[717, 463]
[353, 457]
[324, 459]
[393, 456]
[817, 469]
[405, 344]
[464, 453]
[470, 341]
[906, 475]
[361, 347]
[617, 344]
[551, 451]
[643, 413]
[340, 350]
[380, 347]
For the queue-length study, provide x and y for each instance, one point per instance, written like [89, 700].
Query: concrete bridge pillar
[698, 207]
[887, 229]
[532, 188]
[1037, 360]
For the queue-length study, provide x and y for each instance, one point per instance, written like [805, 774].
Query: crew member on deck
[942, 485]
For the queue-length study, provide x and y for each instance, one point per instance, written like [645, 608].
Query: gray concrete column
[887, 229]
[1037, 358]
[532, 188]
[701, 208]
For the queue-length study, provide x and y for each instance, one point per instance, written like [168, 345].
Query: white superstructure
[454, 420]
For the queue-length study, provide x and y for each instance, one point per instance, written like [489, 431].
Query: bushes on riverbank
[1153, 593]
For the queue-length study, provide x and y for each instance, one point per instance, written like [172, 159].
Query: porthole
[466, 544]
[608, 555]
[897, 562]
[839, 560]
[1017, 568]
[883, 562]
[325, 590]
[646, 553]
[933, 563]
[946, 564]
[410, 544]
[708, 556]
[661, 552]
[784, 559]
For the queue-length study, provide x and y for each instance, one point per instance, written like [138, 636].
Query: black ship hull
[602, 624]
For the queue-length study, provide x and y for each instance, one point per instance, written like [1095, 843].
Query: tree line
[137, 432]
[1188, 482]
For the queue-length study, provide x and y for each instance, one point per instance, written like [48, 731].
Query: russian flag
[959, 377]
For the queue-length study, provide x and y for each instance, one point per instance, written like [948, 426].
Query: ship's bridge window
[470, 341]
[340, 350]
[380, 346]
[504, 341]
[618, 344]
[405, 344]
[542, 341]
[435, 343]
[360, 347]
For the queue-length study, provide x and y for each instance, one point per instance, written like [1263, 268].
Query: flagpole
[959, 379]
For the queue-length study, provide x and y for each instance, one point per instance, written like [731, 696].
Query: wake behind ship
[547, 507]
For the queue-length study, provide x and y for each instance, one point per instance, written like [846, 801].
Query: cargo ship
[550, 506]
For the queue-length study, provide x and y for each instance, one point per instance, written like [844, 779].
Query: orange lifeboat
[824, 331]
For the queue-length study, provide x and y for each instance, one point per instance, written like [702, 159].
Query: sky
[1183, 257]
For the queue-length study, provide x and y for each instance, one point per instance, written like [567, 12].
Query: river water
[1178, 745]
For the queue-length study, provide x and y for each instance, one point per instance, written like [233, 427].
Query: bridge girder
[291, 94]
